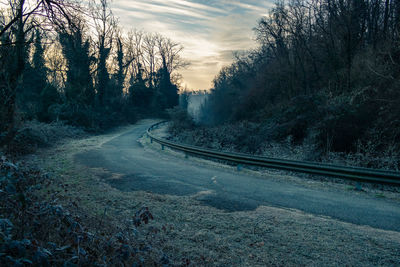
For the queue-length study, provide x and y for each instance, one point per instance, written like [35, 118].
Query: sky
[209, 30]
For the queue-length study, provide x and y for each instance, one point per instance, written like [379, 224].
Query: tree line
[71, 61]
[328, 70]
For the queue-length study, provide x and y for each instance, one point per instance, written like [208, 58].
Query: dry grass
[197, 235]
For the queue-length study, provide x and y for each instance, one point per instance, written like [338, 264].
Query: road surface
[163, 173]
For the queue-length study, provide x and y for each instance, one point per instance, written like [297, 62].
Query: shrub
[293, 119]
[34, 134]
[343, 124]
[38, 232]
[180, 120]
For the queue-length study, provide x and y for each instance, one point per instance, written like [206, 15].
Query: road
[163, 173]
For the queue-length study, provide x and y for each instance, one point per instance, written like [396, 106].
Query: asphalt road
[162, 173]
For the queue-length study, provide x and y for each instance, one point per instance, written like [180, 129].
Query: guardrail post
[239, 167]
[186, 155]
[151, 140]
[162, 147]
[358, 186]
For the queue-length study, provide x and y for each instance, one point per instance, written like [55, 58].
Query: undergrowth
[37, 231]
[33, 134]
[258, 139]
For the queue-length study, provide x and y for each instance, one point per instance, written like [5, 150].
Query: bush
[91, 118]
[76, 115]
[291, 120]
[343, 125]
[38, 232]
[180, 120]
[49, 97]
[34, 134]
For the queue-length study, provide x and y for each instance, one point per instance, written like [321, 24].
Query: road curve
[162, 173]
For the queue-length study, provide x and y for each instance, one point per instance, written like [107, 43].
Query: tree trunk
[14, 78]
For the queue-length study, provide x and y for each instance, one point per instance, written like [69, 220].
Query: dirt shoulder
[189, 233]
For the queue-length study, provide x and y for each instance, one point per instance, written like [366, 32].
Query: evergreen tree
[139, 94]
[12, 65]
[38, 60]
[116, 83]
[120, 75]
[47, 94]
[79, 86]
[166, 92]
[48, 97]
[102, 79]
[34, 81]
[105, 26]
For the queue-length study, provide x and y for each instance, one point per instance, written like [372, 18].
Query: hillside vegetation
[326, 74]
[67, 68]
[70, 61]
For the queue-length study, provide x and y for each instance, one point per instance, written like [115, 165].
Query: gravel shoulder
[193, 234]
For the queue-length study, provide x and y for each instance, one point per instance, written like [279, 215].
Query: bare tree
[123, 60]
[105, 26]
[150, 57]
[13, 43]
[135, 48]
[169, 52]
[53, 10]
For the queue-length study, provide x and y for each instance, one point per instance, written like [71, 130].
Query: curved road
[232, 191]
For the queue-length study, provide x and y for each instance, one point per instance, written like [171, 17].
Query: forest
[68, 70]
[81, 184]
[325, 74]
[70, 61]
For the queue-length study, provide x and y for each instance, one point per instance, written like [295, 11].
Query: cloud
[210, 30]
[254, 7]
[159, 7]
[196, 6]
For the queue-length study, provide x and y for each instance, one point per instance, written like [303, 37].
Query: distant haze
[210, 30]
[194, 104]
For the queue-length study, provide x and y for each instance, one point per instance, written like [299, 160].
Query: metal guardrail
[352, 173]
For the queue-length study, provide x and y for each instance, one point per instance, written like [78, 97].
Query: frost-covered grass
[188, 233]
[185, 232]
[37, 229]
[33, 134]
